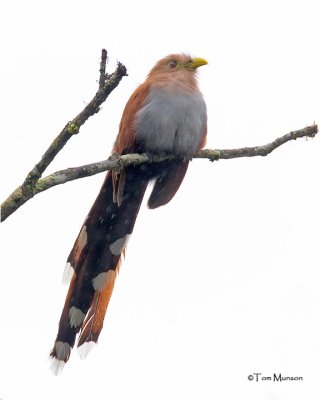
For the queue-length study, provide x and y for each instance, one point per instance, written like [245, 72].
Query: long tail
[94, 262]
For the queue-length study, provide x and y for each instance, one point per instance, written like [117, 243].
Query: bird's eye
[172, 64]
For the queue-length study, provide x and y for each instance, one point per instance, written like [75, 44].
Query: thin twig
[103, 63]
[118, 162]
[28, 189]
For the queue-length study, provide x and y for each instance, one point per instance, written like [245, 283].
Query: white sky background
[223, 281]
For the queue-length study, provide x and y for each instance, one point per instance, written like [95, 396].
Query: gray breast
[171, 123]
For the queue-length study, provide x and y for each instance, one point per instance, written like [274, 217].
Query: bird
[165, 116]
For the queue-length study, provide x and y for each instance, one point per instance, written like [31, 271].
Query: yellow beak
[195, 63]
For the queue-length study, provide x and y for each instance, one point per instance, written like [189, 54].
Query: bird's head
[176, 67]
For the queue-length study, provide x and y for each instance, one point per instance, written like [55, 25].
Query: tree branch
[213, 155]
[107, 83]
[115, 162]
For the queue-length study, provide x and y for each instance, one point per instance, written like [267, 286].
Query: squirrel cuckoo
[166, 115]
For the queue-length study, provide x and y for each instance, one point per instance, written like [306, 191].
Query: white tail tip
[76, 317]
[56, 366]
[85, 349]
[67, 274]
